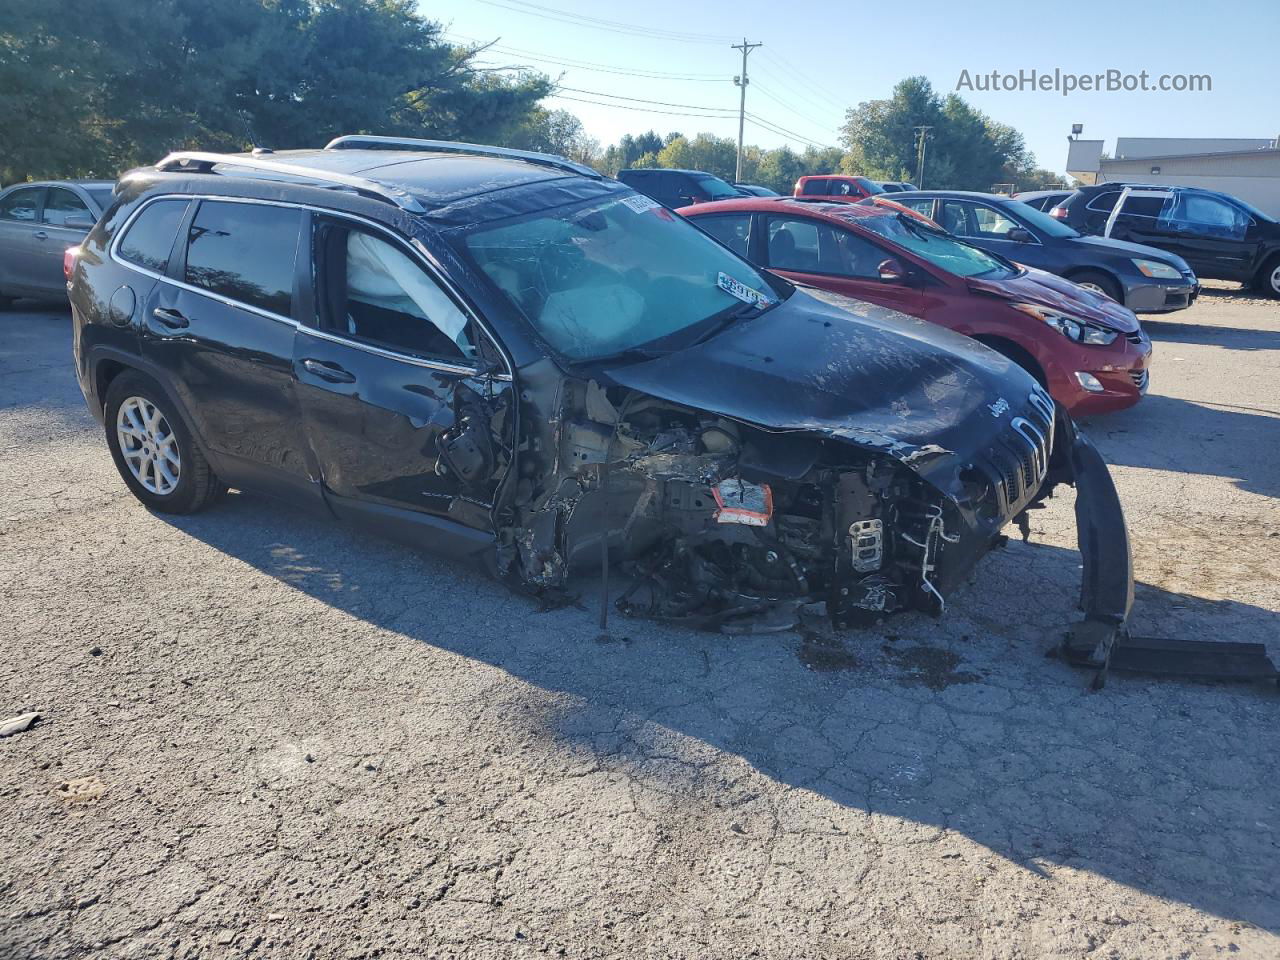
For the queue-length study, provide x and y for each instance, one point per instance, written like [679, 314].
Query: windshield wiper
[919, 229]
[727, 319]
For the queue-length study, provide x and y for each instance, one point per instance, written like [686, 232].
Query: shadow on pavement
[1215, 440]
[962, 724]
[1229, 338]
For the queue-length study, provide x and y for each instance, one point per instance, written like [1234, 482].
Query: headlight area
[1073, 328]
[1156, 270]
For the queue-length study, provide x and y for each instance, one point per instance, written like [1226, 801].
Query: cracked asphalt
[267, 736]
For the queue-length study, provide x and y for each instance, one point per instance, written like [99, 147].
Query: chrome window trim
[420, 256]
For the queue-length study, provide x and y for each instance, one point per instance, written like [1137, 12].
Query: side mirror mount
[79, 223]
[891, 270]
[1019, 235]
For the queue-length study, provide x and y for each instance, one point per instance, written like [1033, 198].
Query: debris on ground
[19, 724]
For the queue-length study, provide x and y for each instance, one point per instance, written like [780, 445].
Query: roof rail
[361, 142]
[195, 162]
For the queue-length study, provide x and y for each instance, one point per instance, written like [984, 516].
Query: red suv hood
[1037, 286]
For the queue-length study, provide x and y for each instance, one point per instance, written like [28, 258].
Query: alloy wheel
[148, 445]
[1275, 280]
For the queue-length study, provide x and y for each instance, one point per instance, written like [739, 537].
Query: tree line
[90, 90]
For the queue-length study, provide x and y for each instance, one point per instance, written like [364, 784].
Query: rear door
[1215, 237]
[393, 401]
[221, 325]
[22, 241]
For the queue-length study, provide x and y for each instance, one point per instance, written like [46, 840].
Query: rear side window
[814, 188]
[61, 204]
[149, 239]
[1104, 202]
[246, 252]
[21, 205]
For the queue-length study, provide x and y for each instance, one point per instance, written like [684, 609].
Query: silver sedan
[38, 221]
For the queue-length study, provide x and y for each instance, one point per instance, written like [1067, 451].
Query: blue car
[1144, 279]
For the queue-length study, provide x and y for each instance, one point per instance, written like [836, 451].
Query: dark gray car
[38, 221]
[1144, 279]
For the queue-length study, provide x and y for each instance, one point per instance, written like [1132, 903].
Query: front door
[394, 401]
[1216, 238]
[826, 256]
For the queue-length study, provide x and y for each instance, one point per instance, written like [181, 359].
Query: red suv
[1089, 351]
[838, 187]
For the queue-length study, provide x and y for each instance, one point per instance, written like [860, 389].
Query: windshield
[715, 188]
[614, 275]
[1043, 222]
[939, 248]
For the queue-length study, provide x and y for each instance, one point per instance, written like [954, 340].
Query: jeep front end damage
[726, 525]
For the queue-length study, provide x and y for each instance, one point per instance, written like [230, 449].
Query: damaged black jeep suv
[507, 355]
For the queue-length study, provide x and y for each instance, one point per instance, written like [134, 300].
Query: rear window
[149, 239]
[246, 252]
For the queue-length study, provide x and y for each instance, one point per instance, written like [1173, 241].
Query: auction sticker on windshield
[737, 288]
[639, 203]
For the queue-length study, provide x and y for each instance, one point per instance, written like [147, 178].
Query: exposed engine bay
[725, 525]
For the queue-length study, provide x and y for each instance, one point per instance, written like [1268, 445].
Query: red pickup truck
[837, 186]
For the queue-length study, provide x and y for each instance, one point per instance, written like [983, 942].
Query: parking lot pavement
[265, 735]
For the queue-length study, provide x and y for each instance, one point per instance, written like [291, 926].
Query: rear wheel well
[1018, 354]
[103, 375]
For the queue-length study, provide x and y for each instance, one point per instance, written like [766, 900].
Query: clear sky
[823, 56]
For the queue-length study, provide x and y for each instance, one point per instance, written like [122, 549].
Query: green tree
[965, 150]
[89, 92]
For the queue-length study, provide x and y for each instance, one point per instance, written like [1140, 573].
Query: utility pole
[922, 135]
[742, 82]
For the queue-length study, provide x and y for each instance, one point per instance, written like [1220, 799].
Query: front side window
[1197, 213]
[613, 275]
[60, 205]
[149, 239]
[371, 290]
[733, 230]
[991, 223]
[940, 249]
[715, 188]
[246, 252]
[21, 205]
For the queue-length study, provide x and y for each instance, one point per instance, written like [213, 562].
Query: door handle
[40, 235]
[170, 318]
[328, 371]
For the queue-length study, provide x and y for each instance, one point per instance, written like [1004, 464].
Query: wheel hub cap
[148, 445]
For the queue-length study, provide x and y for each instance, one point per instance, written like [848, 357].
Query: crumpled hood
[832, 365]
[1039, 286]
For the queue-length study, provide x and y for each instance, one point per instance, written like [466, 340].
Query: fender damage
[741, 483]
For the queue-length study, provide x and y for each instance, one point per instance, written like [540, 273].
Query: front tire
[153, 448]
[1098, 283]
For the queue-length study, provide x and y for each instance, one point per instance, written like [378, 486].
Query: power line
[661, 103]
[783, 131]
[783, 103]
[598, 23]
[815, 88]
[600, 68]
[623, 106]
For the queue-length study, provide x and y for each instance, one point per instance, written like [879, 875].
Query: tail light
[69, 261]
[1058, 213]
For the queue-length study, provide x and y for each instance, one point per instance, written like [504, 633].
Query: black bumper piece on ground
[1101, 641]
